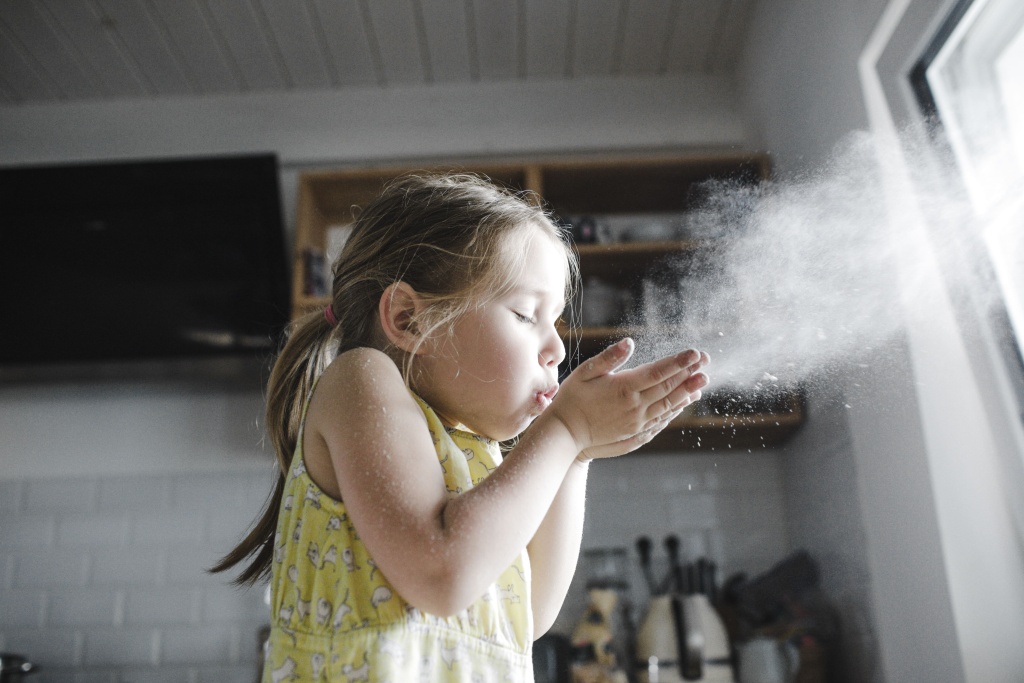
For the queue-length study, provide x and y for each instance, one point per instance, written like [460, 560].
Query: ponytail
[305, 355]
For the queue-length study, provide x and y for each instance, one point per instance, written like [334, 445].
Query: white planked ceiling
[54, 51]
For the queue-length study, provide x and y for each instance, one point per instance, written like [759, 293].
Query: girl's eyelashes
[524, 318]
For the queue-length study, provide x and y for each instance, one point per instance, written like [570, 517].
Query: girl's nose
[553, 351]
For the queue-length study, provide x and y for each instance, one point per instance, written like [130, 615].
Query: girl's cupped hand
[610, 412]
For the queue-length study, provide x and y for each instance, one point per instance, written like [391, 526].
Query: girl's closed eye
[523, 318]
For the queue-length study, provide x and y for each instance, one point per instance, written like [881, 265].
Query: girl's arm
[439, 551]
[555, 548]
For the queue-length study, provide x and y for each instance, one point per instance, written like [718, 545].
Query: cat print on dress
[348, 558]
[330, 557]
[286, 672]
[357, 674]
[450, 654]
[343, 611]
[323, 611]
[313, 496]
[391, 647]
[327, 589]
[381, 594]
[303, 607]
[316, 663]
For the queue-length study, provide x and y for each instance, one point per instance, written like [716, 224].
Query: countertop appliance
[682, 638]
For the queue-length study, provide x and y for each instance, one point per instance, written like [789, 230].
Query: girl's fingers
[654, 374]
[609, 360]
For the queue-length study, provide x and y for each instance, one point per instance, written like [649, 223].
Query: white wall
[373, 124]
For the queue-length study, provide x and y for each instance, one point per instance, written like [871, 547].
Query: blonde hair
[457, 239]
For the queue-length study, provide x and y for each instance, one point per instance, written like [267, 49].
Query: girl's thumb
[609, 360]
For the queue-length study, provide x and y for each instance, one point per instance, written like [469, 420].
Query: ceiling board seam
[666, 47]
[421, 37]
[620, 38]
[472, 44]
[69, 46]
[371, 40]
[323, 44]
[86, 61]
[173, 48]
[570, 38]
[32, 63]
[110, 31]
[717, 36]
[7, 93]
[222, 45]
[521, 40]
[274, 47]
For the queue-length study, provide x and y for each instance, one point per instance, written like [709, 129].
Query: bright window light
[976, 80]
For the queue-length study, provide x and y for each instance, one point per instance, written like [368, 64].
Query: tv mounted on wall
[141, 260]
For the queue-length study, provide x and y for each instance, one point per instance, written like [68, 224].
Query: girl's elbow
[442, 595]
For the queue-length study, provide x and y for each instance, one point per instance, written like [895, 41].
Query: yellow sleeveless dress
[336, 618]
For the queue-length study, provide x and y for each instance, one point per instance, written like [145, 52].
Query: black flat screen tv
[141, 260]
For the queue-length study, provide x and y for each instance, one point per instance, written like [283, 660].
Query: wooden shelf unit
[611, 185]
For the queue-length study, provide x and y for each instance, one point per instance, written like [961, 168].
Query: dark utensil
[643, 548]
[552, 659]
[676, 578]
[15, 667]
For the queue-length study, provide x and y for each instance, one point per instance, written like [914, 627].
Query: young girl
[399, 543]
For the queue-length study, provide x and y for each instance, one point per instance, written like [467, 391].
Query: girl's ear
[398, 307]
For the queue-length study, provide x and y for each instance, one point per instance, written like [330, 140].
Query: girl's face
[498, 369]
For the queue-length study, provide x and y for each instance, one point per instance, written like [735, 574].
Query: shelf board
[617, 260]
[730, 433]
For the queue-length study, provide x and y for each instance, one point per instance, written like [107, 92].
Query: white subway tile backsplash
[82, 607]
[234, 605]
[187, 565]
[135, 493]
[199, 645]
[49, 647]
[21, 608]
[114, 646]
[226, 528]
[212, 490]
[32, 529]
[160, 674]
[6, 570]
[50, 568]
[10, 495]
[179, 525]
[162, 605]
[112, 585]
[126, 567]
[692, 509]
[104, 675]
[98, 530]
[48, 495]
[242, 673]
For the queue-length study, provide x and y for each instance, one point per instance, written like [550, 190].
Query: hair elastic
[329, 315]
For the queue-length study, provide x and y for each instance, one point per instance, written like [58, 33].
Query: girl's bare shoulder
[360, 380]
[362, 363]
